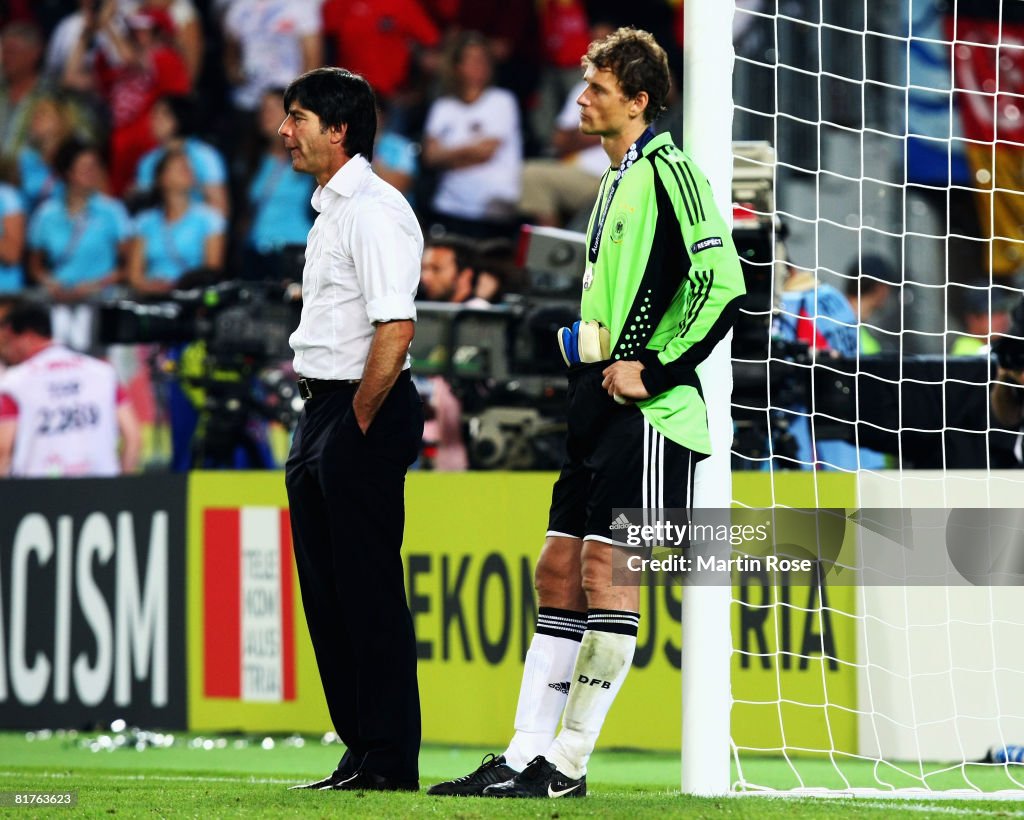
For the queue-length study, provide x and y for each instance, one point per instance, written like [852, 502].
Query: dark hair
[869, 274]
[183, 109]
[9, 171]
[456, 50]
[638, 63]
[338, 97]
[69, 151]
[163, 162]
[861, 286]
[24, 30]
[497, 256]
[464, 249]
[28, 317]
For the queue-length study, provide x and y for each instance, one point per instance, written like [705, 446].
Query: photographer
[448, 272]
[1008, 389]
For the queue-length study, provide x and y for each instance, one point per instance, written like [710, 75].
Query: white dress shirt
[362, 266]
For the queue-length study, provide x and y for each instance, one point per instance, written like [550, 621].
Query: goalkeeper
[662, 286]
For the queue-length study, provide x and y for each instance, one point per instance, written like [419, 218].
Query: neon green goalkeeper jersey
[664, 277]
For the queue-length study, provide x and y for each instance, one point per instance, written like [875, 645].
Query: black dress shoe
[364, 781]
[328, 782]
[347, 767]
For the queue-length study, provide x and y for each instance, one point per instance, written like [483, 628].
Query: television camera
[502, 362]
[227, 347]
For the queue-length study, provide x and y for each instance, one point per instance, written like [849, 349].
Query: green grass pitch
[244, 779]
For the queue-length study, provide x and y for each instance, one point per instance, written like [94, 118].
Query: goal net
[879, 188]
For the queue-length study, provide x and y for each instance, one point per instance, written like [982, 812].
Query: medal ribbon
[635, 152]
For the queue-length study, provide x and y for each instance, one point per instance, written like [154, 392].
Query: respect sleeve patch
[704, 244]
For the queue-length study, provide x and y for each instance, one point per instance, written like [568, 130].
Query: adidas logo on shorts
[619, 523]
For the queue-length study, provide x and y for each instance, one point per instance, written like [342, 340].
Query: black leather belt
[311, 388]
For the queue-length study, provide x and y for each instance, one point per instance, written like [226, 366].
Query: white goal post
[707, 123]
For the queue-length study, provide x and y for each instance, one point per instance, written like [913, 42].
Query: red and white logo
[249, 621]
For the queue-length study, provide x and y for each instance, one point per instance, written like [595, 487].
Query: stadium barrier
[110, 558]
[92, 596]
[471, 540]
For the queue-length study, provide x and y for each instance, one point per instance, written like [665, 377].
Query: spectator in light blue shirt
[395, 157]
[279, 204]
[52, 123]
[38, 180]
[179, 236]
[77, 240]
[179, 243]
[12, 238]
[172, 122]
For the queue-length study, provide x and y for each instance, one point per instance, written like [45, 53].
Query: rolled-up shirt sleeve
[387, 262]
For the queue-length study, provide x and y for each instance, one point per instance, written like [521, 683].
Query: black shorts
[615, 459]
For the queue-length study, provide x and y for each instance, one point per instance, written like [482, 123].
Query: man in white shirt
[359, 432]
[61, 412]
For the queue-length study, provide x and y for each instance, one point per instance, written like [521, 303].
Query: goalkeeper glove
[584, 342]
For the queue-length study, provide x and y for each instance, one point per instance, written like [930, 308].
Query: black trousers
[346, 493]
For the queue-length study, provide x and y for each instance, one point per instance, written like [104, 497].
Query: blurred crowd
[139, 154]
[138, 144]
[139, 151]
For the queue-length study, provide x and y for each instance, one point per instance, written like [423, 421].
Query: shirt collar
[343, 183]
[664, 138]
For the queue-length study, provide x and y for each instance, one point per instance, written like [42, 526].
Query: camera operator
[1008, 390]
[447, 274]
[817, 315]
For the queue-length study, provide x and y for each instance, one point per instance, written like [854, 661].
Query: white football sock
[601, 667]
[546, 675]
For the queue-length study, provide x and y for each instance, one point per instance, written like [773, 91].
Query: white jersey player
[61, 412]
